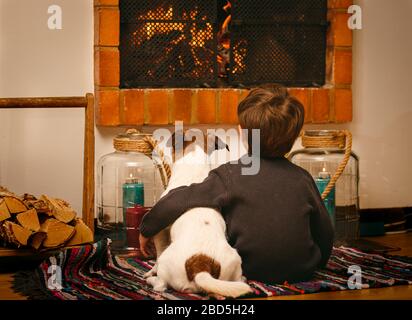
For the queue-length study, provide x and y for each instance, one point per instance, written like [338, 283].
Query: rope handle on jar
[164, 168]
[342, 165]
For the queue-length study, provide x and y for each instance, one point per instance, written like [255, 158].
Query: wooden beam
[56, 102]
[88, 170]
[87, 103]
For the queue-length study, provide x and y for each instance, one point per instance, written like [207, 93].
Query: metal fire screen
[222, 43]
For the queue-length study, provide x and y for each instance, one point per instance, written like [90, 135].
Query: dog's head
[181, 141]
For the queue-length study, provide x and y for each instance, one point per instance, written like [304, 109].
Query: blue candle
[321, 182]
[133, 193]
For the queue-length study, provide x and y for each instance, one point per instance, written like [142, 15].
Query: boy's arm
[211, 193]
[321, 225]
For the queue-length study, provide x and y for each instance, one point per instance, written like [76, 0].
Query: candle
[322, 182]
[324, 174]
[133, 192]
[134, 216]
[133, 195]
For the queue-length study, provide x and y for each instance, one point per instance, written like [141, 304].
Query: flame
[198, 36]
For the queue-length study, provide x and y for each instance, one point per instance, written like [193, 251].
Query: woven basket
[135, 141]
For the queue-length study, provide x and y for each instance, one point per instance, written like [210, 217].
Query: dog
[193, 255]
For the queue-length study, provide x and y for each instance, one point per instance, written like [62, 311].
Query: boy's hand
[143, 245]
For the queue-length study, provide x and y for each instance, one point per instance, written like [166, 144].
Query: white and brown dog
[197, 258]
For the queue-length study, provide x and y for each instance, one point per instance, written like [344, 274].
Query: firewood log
[44, 223]
[58, 233]
[5, 192]
[38, 204]
[29, 220]
[59, 209]
[4, 211]
[82, 235]
[36, 240]
[15, 234]
[32, 202]
[15, 205]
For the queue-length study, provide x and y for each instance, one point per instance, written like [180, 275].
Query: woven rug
[92, 272]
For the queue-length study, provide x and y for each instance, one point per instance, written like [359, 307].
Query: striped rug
[92, 272]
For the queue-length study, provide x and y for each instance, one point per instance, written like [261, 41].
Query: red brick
[342, 67]
[106, 3]
[132, 106]
[158, 106]
[343, 105]
[229, 100]
[339, 33]
[330, 55]
[107, 27]
[339, 4]
[107, 67]
[303, 95]
[320, 105]
[107, 107]
[182, 101]
[206, 106]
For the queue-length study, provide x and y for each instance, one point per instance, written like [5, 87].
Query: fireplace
[222, 43]
[194, 60]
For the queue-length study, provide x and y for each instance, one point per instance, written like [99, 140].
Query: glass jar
[323, 153]
[129, 183]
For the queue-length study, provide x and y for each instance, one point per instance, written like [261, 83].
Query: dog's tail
[204, 271]
[231, 289]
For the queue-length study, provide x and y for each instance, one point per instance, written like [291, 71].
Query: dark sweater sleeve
[321, 224]
[211, 193]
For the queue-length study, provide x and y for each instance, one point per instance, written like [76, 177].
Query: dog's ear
[215, 143]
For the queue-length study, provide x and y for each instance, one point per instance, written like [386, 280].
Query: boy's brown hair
[278, 115]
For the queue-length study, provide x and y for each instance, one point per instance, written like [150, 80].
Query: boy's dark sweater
[276, 219]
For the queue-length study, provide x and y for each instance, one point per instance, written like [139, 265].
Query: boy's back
[272, 220]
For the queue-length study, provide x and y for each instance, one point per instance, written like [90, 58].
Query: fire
[181, 32]
[177, 34]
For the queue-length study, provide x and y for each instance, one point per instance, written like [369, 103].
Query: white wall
[41, 151]
[382, 126]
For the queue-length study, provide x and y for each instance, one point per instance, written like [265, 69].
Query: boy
[275, 219]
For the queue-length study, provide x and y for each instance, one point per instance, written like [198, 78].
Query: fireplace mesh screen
[214, 43]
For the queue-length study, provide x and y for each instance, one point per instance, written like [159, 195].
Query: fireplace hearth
[161, 61]
[222, 43]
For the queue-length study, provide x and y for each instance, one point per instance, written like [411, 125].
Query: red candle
[134, 217]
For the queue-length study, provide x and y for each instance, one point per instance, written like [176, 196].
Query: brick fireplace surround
[125, 107]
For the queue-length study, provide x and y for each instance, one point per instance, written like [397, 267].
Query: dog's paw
[157, 284]
[149, 274]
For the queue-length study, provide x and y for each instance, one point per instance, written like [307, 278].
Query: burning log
[43, 223]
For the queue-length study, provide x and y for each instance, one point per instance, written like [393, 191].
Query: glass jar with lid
[327, 156]
[129, 182]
